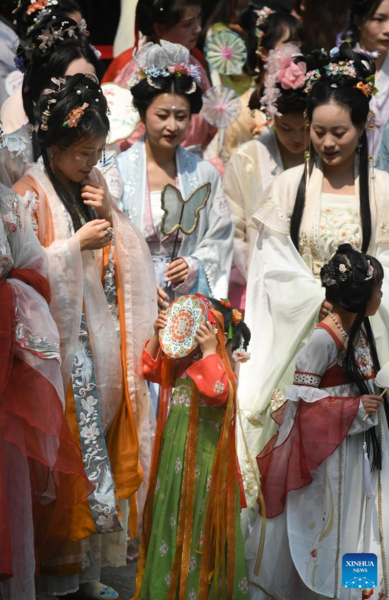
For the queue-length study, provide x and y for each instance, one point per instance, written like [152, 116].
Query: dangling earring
[104, 156]
[307, 153]
[371, 120]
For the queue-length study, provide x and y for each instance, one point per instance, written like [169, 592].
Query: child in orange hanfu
[192, 545]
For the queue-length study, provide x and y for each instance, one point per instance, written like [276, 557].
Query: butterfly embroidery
[180, 213]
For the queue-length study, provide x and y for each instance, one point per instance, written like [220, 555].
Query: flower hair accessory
[241, 355]
[237, 316]
[50, 35]
[163, 60]
[285, 72]
[75, 116]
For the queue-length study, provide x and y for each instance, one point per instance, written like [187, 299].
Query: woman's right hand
[371, 403]
[95, 234]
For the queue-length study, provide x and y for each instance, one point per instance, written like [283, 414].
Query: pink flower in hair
[293, 76]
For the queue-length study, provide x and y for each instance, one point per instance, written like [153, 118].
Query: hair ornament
[237, 316]
[93, 78]
[284, 71]
[75, 116]
[262, 15]
[225, 302]
[370, 271]
[38, 5]
[163, 60]
[50, 35]
[241, 356]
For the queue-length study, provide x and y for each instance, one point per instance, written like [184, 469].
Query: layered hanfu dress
[42, 477]
[208, 250]
[103, 304]
[201, 413]
[314, 485]
[284, 294]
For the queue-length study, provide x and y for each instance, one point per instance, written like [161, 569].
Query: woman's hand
[206, 337]
[177, 271]
[95, 234]
[371, 403]
[94, 195]
[324, 310]
[163, 298]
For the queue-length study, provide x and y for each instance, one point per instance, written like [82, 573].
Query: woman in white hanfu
[254, 165]
[166, 91]
[302, 219]
[325, 475]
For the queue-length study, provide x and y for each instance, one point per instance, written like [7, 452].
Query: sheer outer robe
[248, 173]
[284, 299]
[75, 277]
[212, 241]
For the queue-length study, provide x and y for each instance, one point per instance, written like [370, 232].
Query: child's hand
[160, 323]
[206, 337]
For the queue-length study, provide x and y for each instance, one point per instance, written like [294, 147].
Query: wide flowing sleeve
[15, 153]
[210, 378]
[238, 187]
[313, 425]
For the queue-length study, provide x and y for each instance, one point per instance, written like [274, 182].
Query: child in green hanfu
[192, 545]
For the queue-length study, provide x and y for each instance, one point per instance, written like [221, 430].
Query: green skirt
[160, 555]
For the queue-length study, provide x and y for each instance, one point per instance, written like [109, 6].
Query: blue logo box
[359, 571]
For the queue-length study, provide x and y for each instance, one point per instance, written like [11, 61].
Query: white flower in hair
[163, 60]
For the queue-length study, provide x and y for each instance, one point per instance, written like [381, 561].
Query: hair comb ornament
[163, 60]
[262, 15]
[46, 114]
[75, 116]
[50, 35]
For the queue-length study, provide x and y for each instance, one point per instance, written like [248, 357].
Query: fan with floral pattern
[221, 106]
[225, 51]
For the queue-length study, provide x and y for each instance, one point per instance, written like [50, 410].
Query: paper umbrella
[225, 51]
[221, 106]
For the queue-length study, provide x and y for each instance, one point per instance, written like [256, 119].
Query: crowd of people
[194, 316]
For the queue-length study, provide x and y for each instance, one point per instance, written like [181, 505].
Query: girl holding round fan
[192, 543]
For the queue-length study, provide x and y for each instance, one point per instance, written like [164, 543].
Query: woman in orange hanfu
[101, 275]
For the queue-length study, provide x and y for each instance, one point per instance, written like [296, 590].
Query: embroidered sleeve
[308, 379]
[211, 379]
[152, 367]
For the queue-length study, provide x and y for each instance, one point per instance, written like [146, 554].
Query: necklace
[342, 331]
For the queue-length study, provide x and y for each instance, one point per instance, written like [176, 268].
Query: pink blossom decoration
[293, 76]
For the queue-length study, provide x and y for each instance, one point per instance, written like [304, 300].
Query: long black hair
[78, 90]
[166, 12]
[239, 333]
[341, 90]
[360, 11]
[272, 31]
[41, 63]
[143, 93]
[25, 18]
[351, 286]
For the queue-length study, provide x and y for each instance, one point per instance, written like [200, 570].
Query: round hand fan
[221, 106]
[225, 51]
[123, 116]
[184, 316]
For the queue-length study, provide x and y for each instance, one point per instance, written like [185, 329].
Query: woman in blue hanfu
[166, 91]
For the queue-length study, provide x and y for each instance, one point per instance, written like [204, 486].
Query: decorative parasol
[123, 116]
[225, 51]
[184, 316]
[221, 106]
